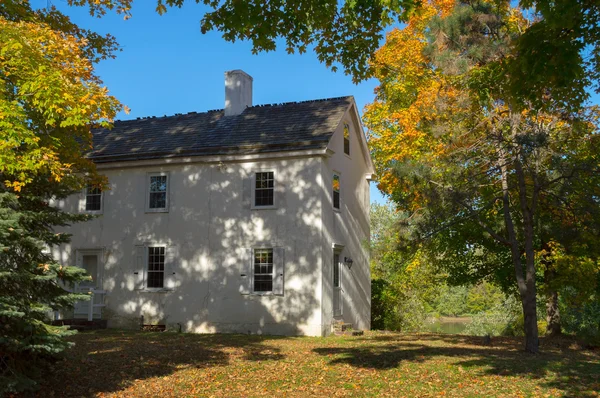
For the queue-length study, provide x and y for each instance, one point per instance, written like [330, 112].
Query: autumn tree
[458, 150]
[49, 100]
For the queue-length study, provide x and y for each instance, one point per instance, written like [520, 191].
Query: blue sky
[167, 66]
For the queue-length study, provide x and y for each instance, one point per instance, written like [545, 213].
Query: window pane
[156, 267]
[93, 202]
[158, 200]
[264, 189]
[158, 183]
[263, 270]
[346, 139]
[336, 191]
[93, 190]
[93, 198]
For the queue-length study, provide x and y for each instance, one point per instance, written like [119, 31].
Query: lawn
[125, 363]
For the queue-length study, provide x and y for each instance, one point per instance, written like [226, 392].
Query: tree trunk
[532, 341]
[525, 277]
[528, 297]
[553, 327]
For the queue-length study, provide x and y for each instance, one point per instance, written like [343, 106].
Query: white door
[337, 285]
[91, 261]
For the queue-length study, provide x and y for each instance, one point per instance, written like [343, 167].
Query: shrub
[500, 320]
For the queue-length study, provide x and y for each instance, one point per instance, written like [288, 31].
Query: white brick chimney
[238, 92]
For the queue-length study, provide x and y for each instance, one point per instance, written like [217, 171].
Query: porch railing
[92, 303]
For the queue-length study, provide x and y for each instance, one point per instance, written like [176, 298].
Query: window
[93, 198]
[346, 139]
[156, 267]
[264, 189]
[158, 192]
[336, 191]
[263, 270]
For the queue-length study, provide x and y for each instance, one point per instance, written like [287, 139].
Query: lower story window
[263, 270]
[156, 267]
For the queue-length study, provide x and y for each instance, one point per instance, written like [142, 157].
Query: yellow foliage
[50, 100]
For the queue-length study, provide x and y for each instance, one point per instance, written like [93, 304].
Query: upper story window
[156, 267]
[93, 198]
[263, 270]
[264, 189]
[158, 192]
[336, 191]
[346, 139]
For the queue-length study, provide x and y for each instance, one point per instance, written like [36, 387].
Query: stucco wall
[209, 221]
[348, 227]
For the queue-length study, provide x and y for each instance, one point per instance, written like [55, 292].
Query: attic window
[336, 191]
[346, 139]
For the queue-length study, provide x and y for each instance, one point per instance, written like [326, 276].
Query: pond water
[448, 325]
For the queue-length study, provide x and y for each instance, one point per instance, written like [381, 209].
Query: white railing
[92, 303]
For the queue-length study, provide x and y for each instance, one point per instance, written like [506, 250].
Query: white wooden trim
[122, 164]
[167, 196]
[275, 172]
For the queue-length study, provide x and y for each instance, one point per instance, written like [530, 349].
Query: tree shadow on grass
[110, 361]
[559, 366]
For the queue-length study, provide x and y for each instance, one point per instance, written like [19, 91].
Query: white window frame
[339, 175]
[167, 196]
[253, 274]
[147, 267]
[141, 270]
[84, 202]
[253, 189]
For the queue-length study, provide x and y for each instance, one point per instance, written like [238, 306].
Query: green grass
[124, 363]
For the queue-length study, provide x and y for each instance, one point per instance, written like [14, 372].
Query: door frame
[99, 252]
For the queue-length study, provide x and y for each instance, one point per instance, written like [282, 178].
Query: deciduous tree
[458, 150]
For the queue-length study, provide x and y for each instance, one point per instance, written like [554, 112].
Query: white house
[251, 219]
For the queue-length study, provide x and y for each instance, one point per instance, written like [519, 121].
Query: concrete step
[341, 326]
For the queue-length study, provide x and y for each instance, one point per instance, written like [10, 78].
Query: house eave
[233, 158]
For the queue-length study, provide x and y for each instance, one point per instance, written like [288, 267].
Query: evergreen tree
[49, 100]
[32, 282]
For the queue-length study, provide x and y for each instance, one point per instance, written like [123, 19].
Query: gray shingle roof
[261, 128]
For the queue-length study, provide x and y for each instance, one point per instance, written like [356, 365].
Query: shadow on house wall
[209, 224]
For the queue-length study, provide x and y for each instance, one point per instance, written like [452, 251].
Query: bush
[583, 320]
[395, 310]
[500, 320]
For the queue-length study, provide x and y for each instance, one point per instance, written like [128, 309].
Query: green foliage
[498, 320]
[384, 301]
[483, 297]
[452, 300]
[487, 181]
[559, 55]
[49, 100]
[32, 282]
[581, 319]
[345, 33]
